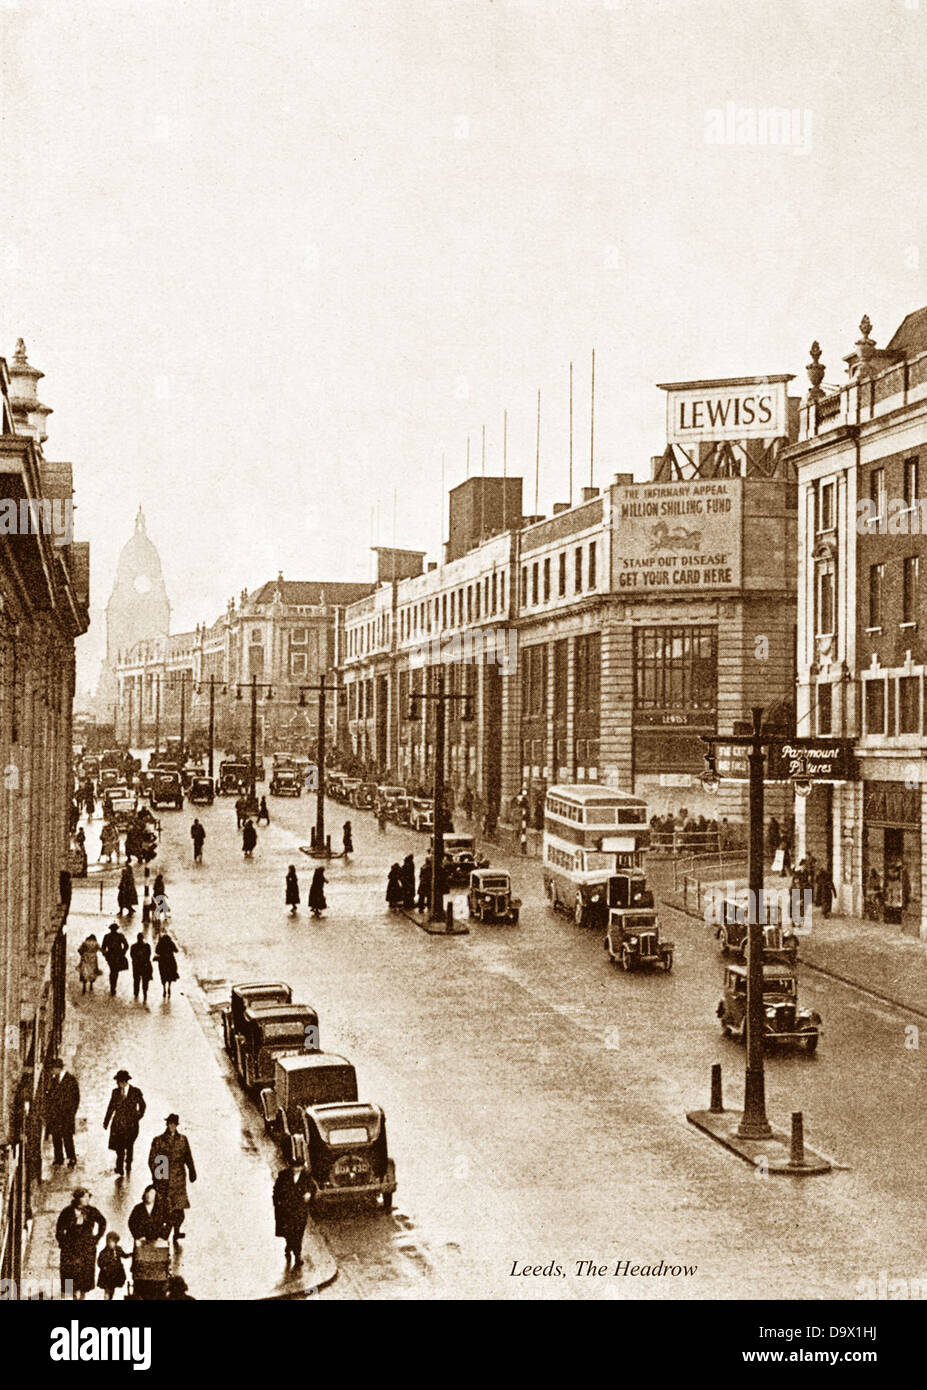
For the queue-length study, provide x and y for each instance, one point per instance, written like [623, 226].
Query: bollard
[717, 1105]
[328, 845]
[797, 1153]
[449, 917]
[101, 892]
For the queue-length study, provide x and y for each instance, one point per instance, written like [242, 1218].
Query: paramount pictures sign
[675, 538]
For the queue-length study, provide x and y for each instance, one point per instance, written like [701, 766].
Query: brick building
[44, 583]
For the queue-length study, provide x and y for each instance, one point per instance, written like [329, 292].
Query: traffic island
[777, 1153]
[443, 927]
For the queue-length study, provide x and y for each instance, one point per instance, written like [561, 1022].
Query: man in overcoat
[170, 1161]
[62, 1097]
[123, 1114]
[292, 1194]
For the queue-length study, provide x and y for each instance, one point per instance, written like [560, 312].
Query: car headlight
[633, 940]
[594, 897]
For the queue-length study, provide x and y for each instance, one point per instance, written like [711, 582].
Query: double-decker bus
[590, 832]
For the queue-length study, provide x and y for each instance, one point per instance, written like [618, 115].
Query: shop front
[892, 854]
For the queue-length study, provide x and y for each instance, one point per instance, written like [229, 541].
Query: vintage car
[285, 782]
[633, 939]
[301, 1079]
[364, 794]
[144, 781]
[386, 799]
[334, 782]
[201, 791]
[349, 786]
[234, 778]
[125, 804]
[89, 767]
[461, 858]
[784, 1021]
[402, 810]
[421, 814]
[779, 941]
[189, 771]
[489, 897]
[344, 1148]
[243, 997]
[166, 789]
[109, 777]
[269, 1031]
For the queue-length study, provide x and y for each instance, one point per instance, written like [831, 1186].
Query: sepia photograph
[463, 698]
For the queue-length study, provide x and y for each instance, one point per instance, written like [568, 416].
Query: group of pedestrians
[117, 954]
[316, 901]
[160, 1213]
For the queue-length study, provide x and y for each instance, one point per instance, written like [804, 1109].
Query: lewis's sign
[739, 408]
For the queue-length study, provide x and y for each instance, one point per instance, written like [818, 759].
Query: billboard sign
[706, 411]
[678, 538]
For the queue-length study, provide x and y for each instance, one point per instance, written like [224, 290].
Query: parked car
[241, 998]
[166, 789]
[125, 804]
[304, 1079]
[779, 941]
[421, 814]
[334, 781]
[190, 771]
[783, 1020]
[269, 1031]
[285, 782]
[201, 791]
[345, 1150]
[234, 778]
[349, 786]
[144, 781]
[364, 795]
[489, 898]
[109, 777]
[402, 808]
[461, 858]
[386, 799]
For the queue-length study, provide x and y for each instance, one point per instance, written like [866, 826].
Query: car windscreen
[783, 986]
[285, 1028]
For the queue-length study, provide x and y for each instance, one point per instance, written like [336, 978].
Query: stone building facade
[44, 591]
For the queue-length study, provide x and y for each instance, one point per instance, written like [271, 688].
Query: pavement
[170, 1056]
[872, 956]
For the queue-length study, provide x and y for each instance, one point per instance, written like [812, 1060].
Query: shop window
[909, 701]
[876, 582]
[875, 706]
[825, 709]
[909, 584]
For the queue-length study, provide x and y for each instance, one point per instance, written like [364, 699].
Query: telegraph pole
[157, 681]
[212, 719]
[440, 696]
[322, 689]
[256, 685]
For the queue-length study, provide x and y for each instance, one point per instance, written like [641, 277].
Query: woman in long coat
[78, 1231]
[166, 956]
[89, 968]
[248, 839]
[292, 889]
[316, 899]
[127, 896]
[394, 890]
[109, 841]
[148, 1219]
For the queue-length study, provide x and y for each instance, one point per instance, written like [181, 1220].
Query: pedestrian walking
[170, 1160]
[316, 900]
[89, 802]
[115, 951]
[394, 893]
[263, 813]
[773, 837]
[166, 956]
[291, 1198]
[240, 811]
[381, 820]
[109, 842]
[123, 1115]
[62, 1098]
[89, 968]
[78, 1231]
[347, 840]
[198, 836]
[292, 890]
[408, 882]
[111, 1272]
[127, 894]
[248, 839]
[142, 968]
[824, 890]
[424, 884]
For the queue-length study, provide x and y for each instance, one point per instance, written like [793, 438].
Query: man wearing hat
[170, 1160]
[62, 1097]
[292, 1195]
[125, 1110]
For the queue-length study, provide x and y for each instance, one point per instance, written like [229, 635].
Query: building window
[909, 589]
[476, 604]
[909, 701]
[825, 614]
[590, 578]
[578, 570]
[826, 511]
[534, 583]
[561, 574]
[825, 709]
[876, 581]
[675, 668]
[297, 663]
[875, 706]
[524, 585]
[501, 593]
[299, 636]
[547, 579]
[911, 484]
[877, 496]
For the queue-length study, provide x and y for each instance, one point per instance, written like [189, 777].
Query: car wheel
[811, 1044]
[579, 911]
[625, 959]
[668, 962]
[387, 1201]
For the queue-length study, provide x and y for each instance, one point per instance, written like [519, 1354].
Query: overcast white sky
[276, 258]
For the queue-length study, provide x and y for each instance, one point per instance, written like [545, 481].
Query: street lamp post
[441, 697]
[322, 689]
[212, 717]
[157, 681]
[255, 685]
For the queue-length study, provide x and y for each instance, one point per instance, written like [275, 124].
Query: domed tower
[138, 606]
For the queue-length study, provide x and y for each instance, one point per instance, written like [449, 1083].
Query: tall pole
[129, 685]
[505, 463]
[754, 1124]
[157, 711]
[320, 772]
[212, 719]
[183, 712]
[592, 423]
[251, 778]
[437, 862]
[571, 434]
[537, 458]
